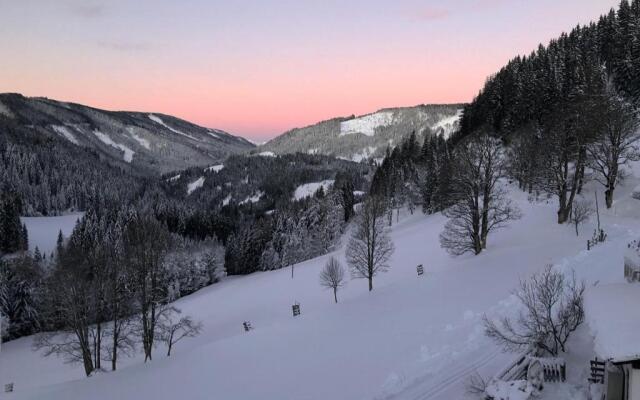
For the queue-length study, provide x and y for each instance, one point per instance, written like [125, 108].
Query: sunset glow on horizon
[258, 68]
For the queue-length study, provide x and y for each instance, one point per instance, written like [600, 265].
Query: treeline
[415, 175]
[107, 289]
[288, 235]
[529, 89]
[53, 176]
[13, 233]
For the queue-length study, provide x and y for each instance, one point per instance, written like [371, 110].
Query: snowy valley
[413, 337]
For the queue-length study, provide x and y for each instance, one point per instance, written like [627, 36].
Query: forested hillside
[560, 75]
[368, 136]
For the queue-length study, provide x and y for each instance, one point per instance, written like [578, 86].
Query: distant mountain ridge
[150, 143]
[367, 136]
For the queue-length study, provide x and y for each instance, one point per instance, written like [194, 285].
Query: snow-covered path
[411, 338]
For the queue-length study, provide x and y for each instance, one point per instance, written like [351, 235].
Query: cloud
[124, 46]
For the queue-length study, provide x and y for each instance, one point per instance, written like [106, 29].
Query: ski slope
[411, 338]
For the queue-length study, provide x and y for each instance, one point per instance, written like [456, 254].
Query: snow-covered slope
[309, 189]
[357, 138]
[411, 338]
[144, 142]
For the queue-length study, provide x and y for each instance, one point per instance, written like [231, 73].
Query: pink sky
[257, 68]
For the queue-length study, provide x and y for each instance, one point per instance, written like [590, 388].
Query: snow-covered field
[43, 231]
[309, 189]
[411, 338]
[197, 184]
[104, 138]
[448, 125]
[366, 124]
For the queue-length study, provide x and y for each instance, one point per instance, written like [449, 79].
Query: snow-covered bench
[632, 262]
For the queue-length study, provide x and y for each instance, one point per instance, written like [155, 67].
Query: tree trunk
[170, 345]
[335, 294]
[370, 283]
[608, 197]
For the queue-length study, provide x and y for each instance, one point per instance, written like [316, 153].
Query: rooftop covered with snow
[612, 314]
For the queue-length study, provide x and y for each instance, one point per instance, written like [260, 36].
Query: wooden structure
[527, 373]
[247, 326]
[599, 236]
[420, 270]
[296, 309]
[8, 388]
[597, 371]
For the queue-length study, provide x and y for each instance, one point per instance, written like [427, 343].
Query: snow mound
[448, 125]
[66, 133]
[128, 153]
[158, 120]
[366, 124]
[197, 184]
[309, 189]
[214, 168]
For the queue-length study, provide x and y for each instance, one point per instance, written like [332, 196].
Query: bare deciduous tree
[172, 330]
[617, 143]
[369, 248]
[69, 304]
[332, 276]
[581, 213]
[481, 204]
[145, 245]
[553, 309]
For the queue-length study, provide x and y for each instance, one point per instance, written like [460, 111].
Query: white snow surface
[251, 199]
[366, 124]
[214, 168]
[364, 154]
[159, 120]
[410, 338]
[43, 232]
[309, 189]
[197, 184]
[267, 154]
[614, 320]
[448, 125]
[143, 142]
[104, 138]
[66, 133]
